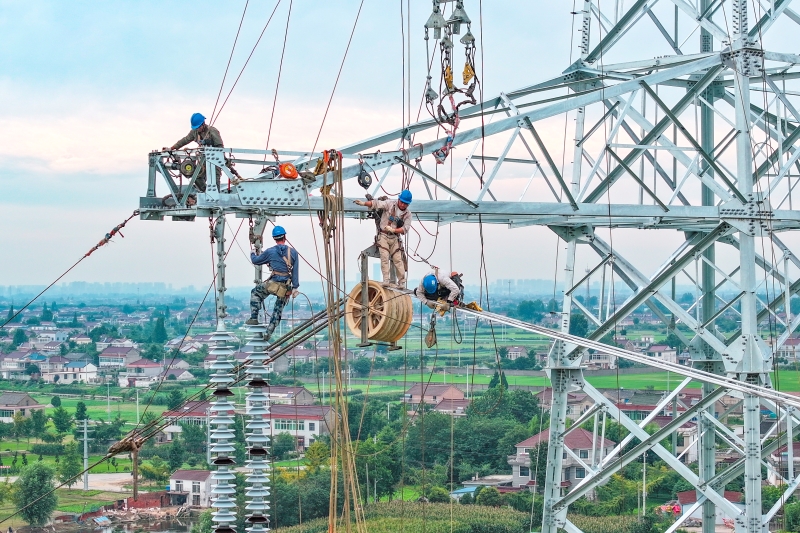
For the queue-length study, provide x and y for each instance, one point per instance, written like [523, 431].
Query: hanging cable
[235, 40]
[105, 240]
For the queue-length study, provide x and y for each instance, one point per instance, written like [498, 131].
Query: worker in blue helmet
[439, 290]
[282, 282]
[394, 219]
[203, 135]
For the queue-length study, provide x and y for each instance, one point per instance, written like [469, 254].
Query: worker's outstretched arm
[184, 141]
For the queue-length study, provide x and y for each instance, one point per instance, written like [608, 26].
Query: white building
[190, 487]
[575, 463]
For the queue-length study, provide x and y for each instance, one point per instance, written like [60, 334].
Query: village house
[577, 402]
[72, 372]
[190, 487]
[117, 357]
[662, 352]
[575, 464]
[192, 412]
[12, 403]
[431, 394]
[279, 394]
[304, 422]
[176, 374]
[515, 352]
[452, 407]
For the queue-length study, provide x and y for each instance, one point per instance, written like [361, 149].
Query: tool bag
[280, 288]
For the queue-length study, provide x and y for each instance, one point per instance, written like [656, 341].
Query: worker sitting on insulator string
[203, 135]
[395, 217]
[439, 290]
[282, 282]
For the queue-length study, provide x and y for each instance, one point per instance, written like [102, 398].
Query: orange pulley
[288, 170]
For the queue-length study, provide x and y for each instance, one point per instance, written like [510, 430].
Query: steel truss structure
[702, 140]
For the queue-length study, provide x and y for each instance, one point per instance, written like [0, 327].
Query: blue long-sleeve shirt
[275, 259]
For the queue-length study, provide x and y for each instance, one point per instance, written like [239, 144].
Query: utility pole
[85, 454]
[108, 400]
[137, 406]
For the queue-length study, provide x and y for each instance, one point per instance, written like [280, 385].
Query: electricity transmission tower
[700, 143]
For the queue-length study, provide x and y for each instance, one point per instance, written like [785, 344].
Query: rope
[338, 75]
[247, 61]
[222, 84]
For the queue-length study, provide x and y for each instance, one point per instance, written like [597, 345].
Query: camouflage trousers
[257, 297]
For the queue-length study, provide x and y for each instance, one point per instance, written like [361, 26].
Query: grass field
[69, 500]
[787, 381]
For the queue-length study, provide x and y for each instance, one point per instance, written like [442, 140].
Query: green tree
[33, 494]
[22, 426]
[19, 338]
[578, 325]
[157, 470]
[317, 455]
[47, 314]
[438, 495]
[38, 422]
[362, 366]
[56, 401]
[80, 411]
[159, 331]
[70, 467]
[282, 444]
[175, 399]
[204, 523]
[194, 438]
[792, 513]
[489, 497]
[176, 455]
[62, 420]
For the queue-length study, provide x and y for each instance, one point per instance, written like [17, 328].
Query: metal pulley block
[364, 178]
[187, 166]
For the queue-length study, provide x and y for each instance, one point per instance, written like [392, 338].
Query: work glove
[431, 305]
[295, 292]
[388, 229]
[360, 202]
[443, 307]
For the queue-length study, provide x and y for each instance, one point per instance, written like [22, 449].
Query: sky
[87, 89]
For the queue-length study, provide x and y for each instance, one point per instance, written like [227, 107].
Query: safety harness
[280, 288]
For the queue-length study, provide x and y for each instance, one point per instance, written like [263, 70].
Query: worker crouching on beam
[395, 218]
[282, 282]
[440, 291]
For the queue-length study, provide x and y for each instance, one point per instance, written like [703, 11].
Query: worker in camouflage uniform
[395, 218]
[282, 282]
[204, 135]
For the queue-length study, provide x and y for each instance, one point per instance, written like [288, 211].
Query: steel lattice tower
[701, 142]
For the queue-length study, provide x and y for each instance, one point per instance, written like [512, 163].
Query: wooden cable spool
[389, 316]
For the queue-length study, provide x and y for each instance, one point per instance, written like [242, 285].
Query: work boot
[252, 321]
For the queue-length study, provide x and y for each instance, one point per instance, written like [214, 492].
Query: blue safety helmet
[405, 196]
[197, 120]
[278, 232]
[430, 284]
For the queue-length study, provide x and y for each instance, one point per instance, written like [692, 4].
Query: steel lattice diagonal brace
[612, 466]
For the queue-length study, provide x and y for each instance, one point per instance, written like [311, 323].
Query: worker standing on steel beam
[438, 290]
[395, 217]
[204, 135]
[282, 282]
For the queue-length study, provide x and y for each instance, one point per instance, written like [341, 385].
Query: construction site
[670, 138]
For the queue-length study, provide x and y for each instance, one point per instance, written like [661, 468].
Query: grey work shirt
[392, 214]
[445, 284]
[195, 136]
